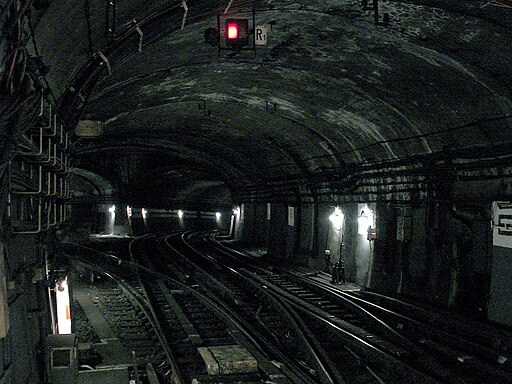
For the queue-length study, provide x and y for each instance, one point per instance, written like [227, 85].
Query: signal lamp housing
[236, 32]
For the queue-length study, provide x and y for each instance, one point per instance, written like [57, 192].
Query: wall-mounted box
[89, 128]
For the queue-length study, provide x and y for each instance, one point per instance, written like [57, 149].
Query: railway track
[201, 296]
[182, 333]
[474, 352]
[200, 332]
[268, 320]
[483, 351]
[127, 313]
[349, 353]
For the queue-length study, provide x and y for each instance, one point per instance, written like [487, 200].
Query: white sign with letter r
[260, 35]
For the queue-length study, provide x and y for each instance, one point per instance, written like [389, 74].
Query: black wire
[6, 7]
[87, 8]
[36, 51]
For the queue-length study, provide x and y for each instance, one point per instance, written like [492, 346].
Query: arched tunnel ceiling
[329, 93]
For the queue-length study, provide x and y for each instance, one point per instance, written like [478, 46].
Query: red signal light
[232, 33]
[237, 32]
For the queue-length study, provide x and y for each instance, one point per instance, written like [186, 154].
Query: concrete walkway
[110, 348]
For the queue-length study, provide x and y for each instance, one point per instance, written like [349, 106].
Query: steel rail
[270, 367]
[321, 371]
[485, 354]
[352, 334]
[141, 302]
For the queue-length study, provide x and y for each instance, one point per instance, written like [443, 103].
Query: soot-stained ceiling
[333, 103]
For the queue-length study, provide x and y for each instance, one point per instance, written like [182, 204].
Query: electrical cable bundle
[21, 110]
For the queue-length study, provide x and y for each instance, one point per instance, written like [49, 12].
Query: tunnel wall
[283, 233]
[433, 251]
[22, 350]
[301, 235]
[306, 234]
[500, 297]
[443, 255]
[253, 224]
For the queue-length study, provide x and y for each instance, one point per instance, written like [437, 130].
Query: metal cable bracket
[141, 35]
[185, 7]
[104, 58]
[227, 7]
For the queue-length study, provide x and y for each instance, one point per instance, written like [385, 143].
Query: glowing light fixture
[129, 212]
[337, 219]
[112, 221]
[180, 214]
[144, 213]
[218, 215]
[232, 31]
[237, 32]
[63, 311]
[363, 223]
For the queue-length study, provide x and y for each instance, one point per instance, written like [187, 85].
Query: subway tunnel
[374, 132]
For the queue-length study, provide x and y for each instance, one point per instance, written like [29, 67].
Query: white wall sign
[502, 223]
[260, 35]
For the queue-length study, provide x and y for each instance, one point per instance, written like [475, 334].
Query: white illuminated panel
[63, 310]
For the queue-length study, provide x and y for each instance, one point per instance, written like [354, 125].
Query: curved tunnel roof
[330, 103]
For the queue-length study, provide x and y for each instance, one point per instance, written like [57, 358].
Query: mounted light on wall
[236, 32]
[112, 221]
[363, 223]
[63, 310]
[232, 31]
[180, 214]
[337, 219]
[144, 213]
[217, 215]
[129, 212]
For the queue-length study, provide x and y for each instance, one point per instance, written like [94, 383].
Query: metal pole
[135, 368]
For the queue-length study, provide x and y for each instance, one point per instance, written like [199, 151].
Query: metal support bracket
[141, 36]
[228, 6]
[104, 58]
[185, 7]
